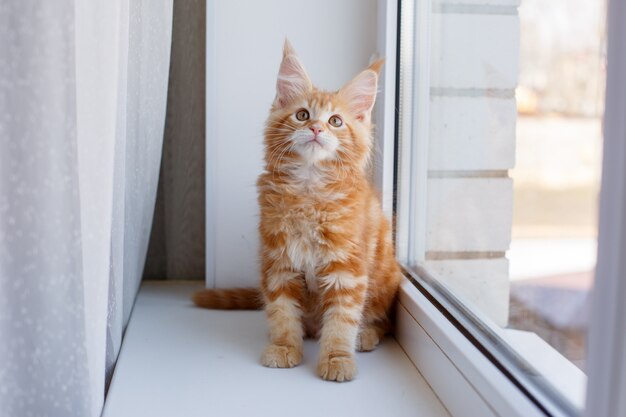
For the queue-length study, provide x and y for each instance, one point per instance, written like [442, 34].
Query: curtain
[177, 243]
[83, 89]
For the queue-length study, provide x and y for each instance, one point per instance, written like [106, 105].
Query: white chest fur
[304, 243]
[303, 223]
[303, 252]
[311, 280]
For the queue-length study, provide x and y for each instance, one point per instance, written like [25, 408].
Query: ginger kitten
[328, 267]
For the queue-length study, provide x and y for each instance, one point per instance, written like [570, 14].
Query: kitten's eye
[335, 121]
[302, 115]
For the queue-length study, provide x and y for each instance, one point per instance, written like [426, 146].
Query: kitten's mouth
[315, 140]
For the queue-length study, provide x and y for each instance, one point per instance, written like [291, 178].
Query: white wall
[334, 39]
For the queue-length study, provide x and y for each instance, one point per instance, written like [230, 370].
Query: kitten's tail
[229, 299]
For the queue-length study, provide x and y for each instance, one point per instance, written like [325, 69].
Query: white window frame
[435, 337]
[607, 338]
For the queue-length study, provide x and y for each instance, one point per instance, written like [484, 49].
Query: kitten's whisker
[287, 149]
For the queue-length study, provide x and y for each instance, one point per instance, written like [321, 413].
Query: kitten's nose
[316, 129]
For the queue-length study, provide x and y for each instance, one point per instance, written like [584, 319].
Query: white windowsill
[556, 368]
[177, 360]
[463, 378]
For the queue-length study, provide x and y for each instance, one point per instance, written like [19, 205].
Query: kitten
[328, 267]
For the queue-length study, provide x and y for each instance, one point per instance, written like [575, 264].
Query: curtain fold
[83, 89]
[177, 242]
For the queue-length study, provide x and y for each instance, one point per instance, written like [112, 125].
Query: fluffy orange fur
[328, 267]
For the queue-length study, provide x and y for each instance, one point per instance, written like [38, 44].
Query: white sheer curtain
[83, 87]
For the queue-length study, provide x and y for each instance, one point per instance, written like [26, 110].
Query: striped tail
[229, 299]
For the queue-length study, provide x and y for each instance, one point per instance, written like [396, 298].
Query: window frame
[607, 335]
[433, 331]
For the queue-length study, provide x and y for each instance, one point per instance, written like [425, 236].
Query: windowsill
[558, 370]
[178, 360]
[464, 379]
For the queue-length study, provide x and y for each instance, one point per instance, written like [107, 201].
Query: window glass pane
[560, 100]
[509, 210]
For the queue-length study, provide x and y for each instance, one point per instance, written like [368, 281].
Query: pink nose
[316, 129]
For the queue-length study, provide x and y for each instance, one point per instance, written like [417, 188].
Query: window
[498, 174]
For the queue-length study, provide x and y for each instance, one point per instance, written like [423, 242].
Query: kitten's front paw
[367, 340]
[337, 367]
[276, 356]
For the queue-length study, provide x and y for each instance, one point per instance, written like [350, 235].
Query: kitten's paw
[338, 367]
[276, 356]
[367, 340]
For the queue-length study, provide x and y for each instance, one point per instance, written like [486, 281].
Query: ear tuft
[360, 94]
[288, 48]
[377, 65]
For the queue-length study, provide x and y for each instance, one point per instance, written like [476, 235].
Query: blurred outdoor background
[560, 102]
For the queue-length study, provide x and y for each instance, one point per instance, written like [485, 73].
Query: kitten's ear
[360, 93]
[377, 65]
[288, 48]
[293, 81]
